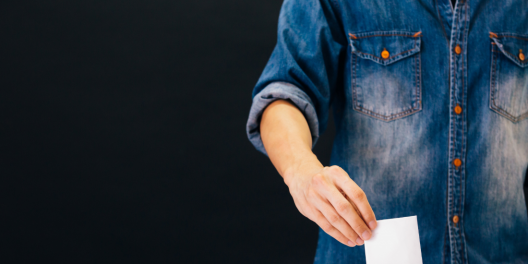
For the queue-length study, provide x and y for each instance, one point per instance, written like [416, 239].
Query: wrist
[306, 163]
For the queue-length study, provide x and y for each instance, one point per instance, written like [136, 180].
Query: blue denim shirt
[430, 103]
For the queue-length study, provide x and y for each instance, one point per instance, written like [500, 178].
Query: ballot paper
[394, 241]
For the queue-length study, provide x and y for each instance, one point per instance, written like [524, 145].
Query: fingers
[337, 221]
[321, 221]
[336, 203]
[346, 210]
[355, 195]
[340, 213]
[309, 210]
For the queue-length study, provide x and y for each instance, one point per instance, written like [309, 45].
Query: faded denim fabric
[415, 87]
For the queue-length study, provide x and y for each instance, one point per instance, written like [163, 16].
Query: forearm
[325, 195]
[287, 139]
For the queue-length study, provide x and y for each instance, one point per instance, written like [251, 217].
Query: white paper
[394, 241]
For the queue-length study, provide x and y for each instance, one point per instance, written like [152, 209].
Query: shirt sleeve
[303, 67]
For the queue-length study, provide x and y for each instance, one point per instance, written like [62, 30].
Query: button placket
[458, 130]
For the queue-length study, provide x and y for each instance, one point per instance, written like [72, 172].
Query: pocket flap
[514, 46]
[385, 47]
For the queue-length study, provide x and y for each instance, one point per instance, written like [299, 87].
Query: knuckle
[359, 195]
[334, 169]
[333, 218]
[349, 185]
[359, 227]
[352, 236]
[327, 227]
[343, 207]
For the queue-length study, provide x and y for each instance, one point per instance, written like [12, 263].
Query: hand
[327, 196]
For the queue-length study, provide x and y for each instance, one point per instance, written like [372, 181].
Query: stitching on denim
[387, 118]
[463, 121]
[417, 94]
[354, 93]
[402, 114]
[515, 58]
[419, 84]
[461, 168]
[450, 169]
[462, 255]
[454, 78]
[415, 61]
[383, 58]
[510, 36]
[415, 36]
[462, 142]
[506, 114]
[452, 138]
[381, 35]
[492, 78]
[371, 113]
[494, 91]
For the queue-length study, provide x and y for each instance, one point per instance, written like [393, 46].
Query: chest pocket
[386, 73]
[509, 75]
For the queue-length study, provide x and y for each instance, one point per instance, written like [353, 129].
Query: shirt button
[521, 55]
[458, 109]
[455, 219]
[384, 53]
[458, 50]
[457, 162]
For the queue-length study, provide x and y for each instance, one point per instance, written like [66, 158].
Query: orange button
[458, 50]
[455, 219]
[458, 109]
[384, 53]
[521, 55]
[457, 162]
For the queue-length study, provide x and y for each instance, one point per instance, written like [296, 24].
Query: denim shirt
[430, 103]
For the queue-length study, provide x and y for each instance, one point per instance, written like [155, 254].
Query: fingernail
[359, 241]
[350, 243]
[366, 235]
[373, 225]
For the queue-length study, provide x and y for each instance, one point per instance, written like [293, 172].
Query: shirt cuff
[275, 91]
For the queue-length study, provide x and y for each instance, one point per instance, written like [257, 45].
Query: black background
[123, 135]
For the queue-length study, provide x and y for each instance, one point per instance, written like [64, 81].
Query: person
[430, 102]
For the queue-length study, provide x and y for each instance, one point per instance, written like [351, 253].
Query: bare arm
[325, 195]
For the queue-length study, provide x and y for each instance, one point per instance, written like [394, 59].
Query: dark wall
[123, 135]
[122, 127]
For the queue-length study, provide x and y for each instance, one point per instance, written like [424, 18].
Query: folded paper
[394, 241]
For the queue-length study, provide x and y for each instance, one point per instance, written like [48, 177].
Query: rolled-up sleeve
[304, 66]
